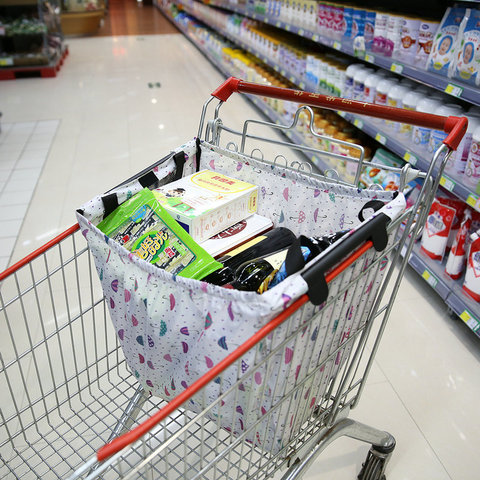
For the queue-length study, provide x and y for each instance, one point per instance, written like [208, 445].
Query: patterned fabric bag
[174, 329]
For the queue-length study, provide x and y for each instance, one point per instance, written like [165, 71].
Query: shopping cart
[72, 406]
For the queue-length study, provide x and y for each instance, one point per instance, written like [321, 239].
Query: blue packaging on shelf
[442, 56]
[467, 65]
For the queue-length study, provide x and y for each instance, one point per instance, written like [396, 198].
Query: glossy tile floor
[120, 103]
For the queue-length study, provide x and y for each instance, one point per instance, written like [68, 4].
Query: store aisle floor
[120, 103]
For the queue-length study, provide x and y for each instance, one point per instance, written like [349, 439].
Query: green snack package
[146, 229]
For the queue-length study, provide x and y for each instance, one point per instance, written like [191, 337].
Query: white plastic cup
[359, 83]
[410, 102]
[349, 74]
[421, 135]
[395, 99]
[371, 83]
[438, 136]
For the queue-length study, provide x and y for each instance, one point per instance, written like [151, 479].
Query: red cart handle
[454, 126]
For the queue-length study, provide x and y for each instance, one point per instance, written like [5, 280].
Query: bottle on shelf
[471, 176]
[437, 136]
[421, 135]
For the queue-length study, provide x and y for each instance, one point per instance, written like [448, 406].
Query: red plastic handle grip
[454, 126]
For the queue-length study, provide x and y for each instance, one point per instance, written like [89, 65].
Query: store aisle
[132, 17]
[122, 102]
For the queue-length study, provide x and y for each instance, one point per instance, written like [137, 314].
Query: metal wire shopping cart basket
[72, 405]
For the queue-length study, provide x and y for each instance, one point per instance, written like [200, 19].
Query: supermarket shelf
[292, 135]
[385, 138]
[452, 87]
[415, 159]
[433, 272]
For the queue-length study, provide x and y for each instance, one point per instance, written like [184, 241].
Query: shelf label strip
[396, 67]
[410, 158]
[447, 183]
[380, 138]
[454, 90]
[429, 278]
[471, 321]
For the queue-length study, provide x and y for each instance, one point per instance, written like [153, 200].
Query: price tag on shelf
[380, 138]
[275, 67]
[358, 123]
[454, 90]
[6, 61]
[287, 28]
[302, 86]
[337, 45]
[254, 16]
[266, 20]
[301, 32]
[472, 322]
[278, 24]
[410, 158]
[447, 183]
[472, 200]
[315, 37]
[429, 278]
[282, 73]
[369, 58]
[292, 79]
[396, 67]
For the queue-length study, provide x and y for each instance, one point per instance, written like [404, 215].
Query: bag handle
[454, 126]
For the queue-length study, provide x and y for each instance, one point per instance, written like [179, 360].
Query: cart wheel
[374, 466]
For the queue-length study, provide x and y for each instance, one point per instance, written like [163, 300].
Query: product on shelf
[421, 135]
[207, 202]
[456, 258]
[467, 64]
[437, 229]
[146, 229]
[426, 33]
[409, 31]
[471, 176]
[471, 285]
[438, 136]
[442, 56]
[456, 164]
[380, 32]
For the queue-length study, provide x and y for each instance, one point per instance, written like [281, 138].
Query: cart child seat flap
[174, 329]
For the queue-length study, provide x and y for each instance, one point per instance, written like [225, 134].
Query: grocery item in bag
[442, 56]
[207, 202]
[437, 229]
[471, 285]
[143, 227]
[456, 257]
[236, 235]
[467, 64]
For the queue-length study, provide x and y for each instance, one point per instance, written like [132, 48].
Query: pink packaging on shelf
[471, 284]
[380, 32]
[394, 26]
[437, 229]
[456, 258]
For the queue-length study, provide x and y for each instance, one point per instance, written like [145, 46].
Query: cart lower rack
[76, 404]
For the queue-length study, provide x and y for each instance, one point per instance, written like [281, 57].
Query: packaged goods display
[442, 56]
[467, 64]
[437, 229]
[471, 285]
